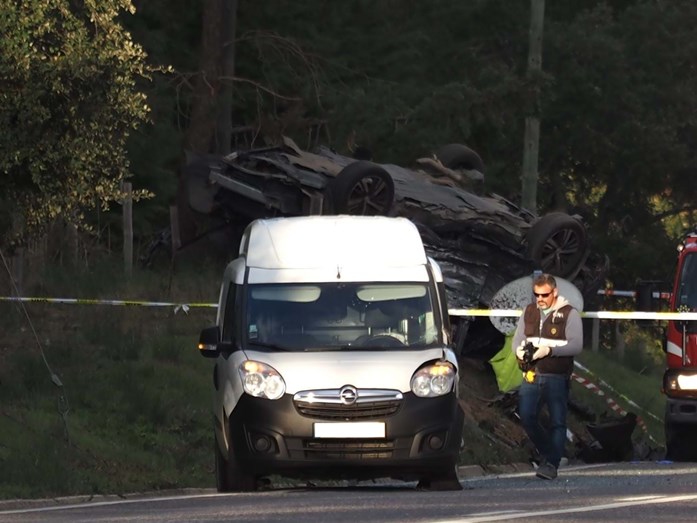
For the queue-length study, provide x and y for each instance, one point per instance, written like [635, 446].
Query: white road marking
[90, 504]
[498, 516]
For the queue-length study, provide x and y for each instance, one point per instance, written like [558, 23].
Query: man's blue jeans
[551, 390]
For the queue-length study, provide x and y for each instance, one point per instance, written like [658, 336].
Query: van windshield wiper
[272, 346]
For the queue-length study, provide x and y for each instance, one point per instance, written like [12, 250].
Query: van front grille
[347, 403]
[317, 449]
[365, 411]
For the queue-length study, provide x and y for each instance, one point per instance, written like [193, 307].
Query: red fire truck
[680, 378]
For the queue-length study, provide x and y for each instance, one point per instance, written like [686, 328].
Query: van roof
[332, 241]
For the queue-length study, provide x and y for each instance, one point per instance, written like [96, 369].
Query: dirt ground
[493, 434]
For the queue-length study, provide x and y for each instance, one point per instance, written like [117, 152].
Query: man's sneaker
[546, 471]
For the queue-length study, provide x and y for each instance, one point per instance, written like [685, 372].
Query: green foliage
[69, 101]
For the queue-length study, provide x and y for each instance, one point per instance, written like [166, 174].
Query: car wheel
[362, 188]
[558, 244]
[458, 156]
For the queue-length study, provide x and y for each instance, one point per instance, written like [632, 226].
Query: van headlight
[433, 380]
[261, 380]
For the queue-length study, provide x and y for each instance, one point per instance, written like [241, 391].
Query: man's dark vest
[554, 327]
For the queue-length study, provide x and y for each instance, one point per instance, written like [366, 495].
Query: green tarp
[508, 375]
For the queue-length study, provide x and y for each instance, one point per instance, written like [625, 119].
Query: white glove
[541, 352]
[520, 351]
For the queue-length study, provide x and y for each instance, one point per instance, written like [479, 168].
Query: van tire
[362, 188]
[229, 476]
[221, 482]
[558, 244]
[458, 156]
[442, 478]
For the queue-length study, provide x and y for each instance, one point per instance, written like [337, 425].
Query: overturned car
[480, 242]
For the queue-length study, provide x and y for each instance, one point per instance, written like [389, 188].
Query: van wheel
[362, 188]
[229, 477]
[221, 482]
[558, 244]
[458, 156]
[444, 478]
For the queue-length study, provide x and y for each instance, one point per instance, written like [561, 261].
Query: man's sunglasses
[542, 294]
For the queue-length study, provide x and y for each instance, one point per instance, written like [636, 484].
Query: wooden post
[128, 228]
[595, 335]
[531, 141]
[174, 228]
[619, 341]
[17, 264]
[73, 245]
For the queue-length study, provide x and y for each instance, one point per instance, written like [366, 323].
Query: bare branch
[260, 87]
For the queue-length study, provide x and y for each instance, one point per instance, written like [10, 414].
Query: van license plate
[361, 429]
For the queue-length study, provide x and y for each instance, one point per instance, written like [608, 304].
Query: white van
[332, 356]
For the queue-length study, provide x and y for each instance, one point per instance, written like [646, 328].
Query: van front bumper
[681, 411]
[423, 435]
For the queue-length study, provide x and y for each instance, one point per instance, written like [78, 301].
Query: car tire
[458, 156]
[362, 188]
[558, 244]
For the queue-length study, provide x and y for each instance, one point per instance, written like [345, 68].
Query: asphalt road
[646, 491]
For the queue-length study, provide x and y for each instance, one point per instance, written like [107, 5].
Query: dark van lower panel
[422, 437]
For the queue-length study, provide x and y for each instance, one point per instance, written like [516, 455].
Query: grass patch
[641, 389]
[130, 408]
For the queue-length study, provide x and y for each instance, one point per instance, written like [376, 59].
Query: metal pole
[531, 141]
[128, 228]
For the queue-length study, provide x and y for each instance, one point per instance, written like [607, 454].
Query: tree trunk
[199, 136]
[202, 125]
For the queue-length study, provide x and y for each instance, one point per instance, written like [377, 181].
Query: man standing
[554, 329]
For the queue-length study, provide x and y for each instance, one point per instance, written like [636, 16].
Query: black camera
[528, 350]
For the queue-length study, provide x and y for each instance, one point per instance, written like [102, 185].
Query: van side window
[230, 322]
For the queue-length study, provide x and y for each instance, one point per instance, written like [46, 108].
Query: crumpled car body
[480, 242]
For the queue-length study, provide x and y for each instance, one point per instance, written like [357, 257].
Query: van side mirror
[208, 342]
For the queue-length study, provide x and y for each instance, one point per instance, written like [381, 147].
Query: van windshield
[345, 316]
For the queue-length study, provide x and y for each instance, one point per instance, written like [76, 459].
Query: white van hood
[363, 369]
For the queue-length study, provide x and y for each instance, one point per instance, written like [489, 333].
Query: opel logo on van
[348, 395]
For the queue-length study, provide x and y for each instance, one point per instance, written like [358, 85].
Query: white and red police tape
[605, 315]
[602, 315]
[614, 406]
